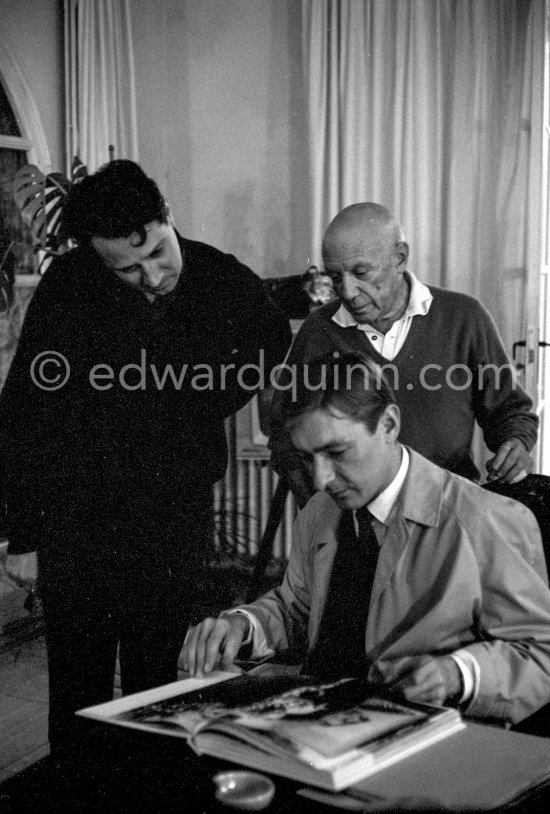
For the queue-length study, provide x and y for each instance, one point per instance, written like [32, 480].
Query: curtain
[99, 82]
[426, 106]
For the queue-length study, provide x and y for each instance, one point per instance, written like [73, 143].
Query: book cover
[326, 734]
[482, 768]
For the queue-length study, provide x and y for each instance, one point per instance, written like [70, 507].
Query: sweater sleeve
[262, 336]
[502, 408]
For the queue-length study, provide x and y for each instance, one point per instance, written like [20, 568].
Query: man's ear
[391, 422]
[402, 254]
[169, 216]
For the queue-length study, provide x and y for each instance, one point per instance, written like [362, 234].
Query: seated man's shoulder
[487, 516]
[464, 496]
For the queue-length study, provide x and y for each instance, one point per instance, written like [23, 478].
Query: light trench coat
[459, 567]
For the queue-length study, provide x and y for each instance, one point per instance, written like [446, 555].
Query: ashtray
[249, 791]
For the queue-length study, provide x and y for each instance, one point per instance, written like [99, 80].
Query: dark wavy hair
[349, 382]
[116, 201]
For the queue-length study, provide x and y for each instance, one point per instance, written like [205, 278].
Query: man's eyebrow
[323, 448]
[363, 266]
[154, 249]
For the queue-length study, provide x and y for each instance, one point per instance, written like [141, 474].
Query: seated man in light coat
[400, 571]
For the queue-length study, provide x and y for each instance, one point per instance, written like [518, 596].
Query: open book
[324, 734]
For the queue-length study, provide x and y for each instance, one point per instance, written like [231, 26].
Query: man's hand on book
[424, 679]
[214, 643]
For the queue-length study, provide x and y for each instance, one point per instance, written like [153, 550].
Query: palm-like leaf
[40, 199]
[29, 194]
[6, 282]
[56, 188]
[78, 170]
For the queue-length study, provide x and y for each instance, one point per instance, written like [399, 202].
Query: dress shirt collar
[420, 299]
[382, 505]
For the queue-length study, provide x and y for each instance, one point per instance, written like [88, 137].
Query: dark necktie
[340, 647]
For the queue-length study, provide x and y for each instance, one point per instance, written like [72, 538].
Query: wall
[32, 31]
[221, 123]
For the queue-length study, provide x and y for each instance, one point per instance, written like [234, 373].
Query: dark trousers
[131, 583]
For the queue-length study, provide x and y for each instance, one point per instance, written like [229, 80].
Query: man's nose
[348, 287]
[151, 275]
[323, 473]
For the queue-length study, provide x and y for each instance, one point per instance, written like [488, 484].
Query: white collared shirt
[389, 344]
[382, 505]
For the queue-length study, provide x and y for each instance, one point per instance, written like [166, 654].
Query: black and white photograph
[274, 423]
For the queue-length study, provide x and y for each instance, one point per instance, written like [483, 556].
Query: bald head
[365, 253]
[362, 221]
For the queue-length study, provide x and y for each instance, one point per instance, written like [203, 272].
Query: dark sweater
[439, 402]
[87, 450]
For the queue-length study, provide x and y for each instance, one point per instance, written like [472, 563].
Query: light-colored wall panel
[221, 124]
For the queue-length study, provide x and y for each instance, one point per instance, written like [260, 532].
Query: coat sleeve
[258, 332]
[284, 612]
[513, 650]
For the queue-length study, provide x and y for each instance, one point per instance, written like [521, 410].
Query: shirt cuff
[256, 635]
[470, 674]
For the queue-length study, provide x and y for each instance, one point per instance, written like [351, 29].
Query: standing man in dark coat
[136, 346]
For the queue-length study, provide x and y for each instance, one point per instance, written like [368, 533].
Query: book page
[339, 731]
[295, 714]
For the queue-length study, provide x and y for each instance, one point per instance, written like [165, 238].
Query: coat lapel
[419, 502]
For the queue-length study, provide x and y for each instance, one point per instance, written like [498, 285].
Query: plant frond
[40, 200]
[78, 170]
[56, 183]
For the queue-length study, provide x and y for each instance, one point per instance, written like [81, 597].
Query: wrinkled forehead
[348, 242]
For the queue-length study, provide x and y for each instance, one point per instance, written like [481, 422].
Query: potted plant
[40, 199]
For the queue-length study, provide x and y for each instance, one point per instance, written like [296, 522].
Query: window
[15, 242]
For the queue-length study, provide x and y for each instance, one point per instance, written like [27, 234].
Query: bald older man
[440, 349]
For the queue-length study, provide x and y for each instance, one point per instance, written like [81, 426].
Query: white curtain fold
[99, 81]
[426, 106]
